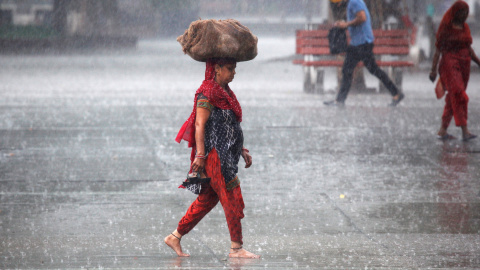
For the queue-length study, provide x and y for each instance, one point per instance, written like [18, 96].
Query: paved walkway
[89, 169]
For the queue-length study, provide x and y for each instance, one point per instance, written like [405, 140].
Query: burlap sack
[206, 39]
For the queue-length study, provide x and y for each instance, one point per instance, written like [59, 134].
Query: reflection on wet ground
[89, 168]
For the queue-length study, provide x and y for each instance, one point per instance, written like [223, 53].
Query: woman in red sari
[214, 133]
[453, 46]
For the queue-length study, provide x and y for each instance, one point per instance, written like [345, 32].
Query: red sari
[454, 45]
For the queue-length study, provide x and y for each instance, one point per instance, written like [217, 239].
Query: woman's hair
[224, 61]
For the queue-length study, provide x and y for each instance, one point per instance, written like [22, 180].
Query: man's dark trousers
[354, 55]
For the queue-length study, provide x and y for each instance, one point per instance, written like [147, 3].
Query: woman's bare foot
[444, 136]
[466, 135]
[469, 136]
[242, 253]
[442, 132]
[173, 241]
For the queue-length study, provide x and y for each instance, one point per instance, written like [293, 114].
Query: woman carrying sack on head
[214, 133]
[453, 45]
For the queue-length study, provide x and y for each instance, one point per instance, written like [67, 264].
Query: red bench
[391, 49]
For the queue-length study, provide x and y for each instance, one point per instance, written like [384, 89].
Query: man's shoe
[334, 103]
[396, 101]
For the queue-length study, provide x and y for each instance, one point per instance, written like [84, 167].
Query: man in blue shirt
[360, 49]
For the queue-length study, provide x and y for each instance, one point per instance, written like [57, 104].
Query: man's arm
[360, 18]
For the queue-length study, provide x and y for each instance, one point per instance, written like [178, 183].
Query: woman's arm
[247, 157]
[433, 72]
[474, 56]
[201, 119]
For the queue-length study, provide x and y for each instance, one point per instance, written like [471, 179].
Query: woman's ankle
[235, 247]
[176, 234]
[442, 132]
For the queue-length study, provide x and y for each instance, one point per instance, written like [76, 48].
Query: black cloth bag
[337, 40]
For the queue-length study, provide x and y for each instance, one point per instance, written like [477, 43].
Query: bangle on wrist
[200, 156]
[245, 149]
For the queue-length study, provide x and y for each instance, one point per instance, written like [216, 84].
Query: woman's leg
[460, 108]
[205, 202]
[455, 75]
[233, 205]
[447, 116]
[460, 113]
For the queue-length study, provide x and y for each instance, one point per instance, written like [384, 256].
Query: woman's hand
[433, 75]
[247, 157]
[474, 57]
[198, 165]
[436, 58]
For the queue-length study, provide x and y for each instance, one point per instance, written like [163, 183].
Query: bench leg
[398, 78]
[319, 89]
[308, 85]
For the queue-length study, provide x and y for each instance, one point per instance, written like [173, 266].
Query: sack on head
[205, 39]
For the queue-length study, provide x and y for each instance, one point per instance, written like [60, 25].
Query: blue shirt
[362, 33]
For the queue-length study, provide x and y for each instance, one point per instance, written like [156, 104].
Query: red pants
[456, 105]
[455, 73]
[232, 201]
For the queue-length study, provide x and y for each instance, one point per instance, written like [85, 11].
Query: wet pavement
[89, 168]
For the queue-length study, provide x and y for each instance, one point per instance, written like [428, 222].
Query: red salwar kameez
[223, 147]
[454, 46]
[232, 201]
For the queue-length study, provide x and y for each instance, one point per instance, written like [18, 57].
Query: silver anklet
[176, 237]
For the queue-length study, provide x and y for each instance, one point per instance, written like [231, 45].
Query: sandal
[469, 137]
[195, 178]
[446, 137]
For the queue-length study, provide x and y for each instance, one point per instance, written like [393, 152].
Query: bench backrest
[393, 42]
